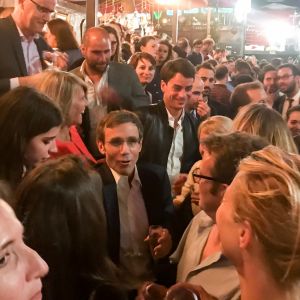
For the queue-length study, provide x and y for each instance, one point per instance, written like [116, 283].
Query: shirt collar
[297, 96]
[171, 119]
[23, 37]
[135, 179]
[85, 75]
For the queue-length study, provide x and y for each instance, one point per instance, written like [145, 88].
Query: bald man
[111, 85]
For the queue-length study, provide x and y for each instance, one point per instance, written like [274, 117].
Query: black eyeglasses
[42, 9]
[197, 177]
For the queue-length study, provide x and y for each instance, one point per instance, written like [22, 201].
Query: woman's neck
[257, 283]
[64, 134]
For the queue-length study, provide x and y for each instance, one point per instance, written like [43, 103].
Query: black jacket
[12, 61]
[158, 136]
[156, 192]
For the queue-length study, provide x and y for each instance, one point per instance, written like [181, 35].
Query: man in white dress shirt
[21, 48]
[135, 197]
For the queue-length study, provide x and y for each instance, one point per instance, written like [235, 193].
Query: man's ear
[140, 145]
[222, 189]
[82, 49]
[162, 85]
[101, 147]
[246, 234]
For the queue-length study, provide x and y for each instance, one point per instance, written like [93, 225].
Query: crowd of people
[134, 168]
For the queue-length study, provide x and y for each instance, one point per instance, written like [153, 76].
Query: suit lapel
[40, 49]
[110, 199]
[16, 45]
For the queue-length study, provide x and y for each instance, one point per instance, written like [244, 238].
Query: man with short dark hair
[199, 254]
[219, 92]
[268, 77]
[246, 93]
[288, 84]
[170, 138]
[207, 73]
[196, 57]
[135, 196]
[195, 105]
[293, 120]
[206, 49]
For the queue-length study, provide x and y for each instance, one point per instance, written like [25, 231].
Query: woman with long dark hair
[29, 124]
[60, 206]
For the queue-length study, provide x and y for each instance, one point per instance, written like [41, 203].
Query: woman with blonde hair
[69, 92]
[258, 119]
[259, 225]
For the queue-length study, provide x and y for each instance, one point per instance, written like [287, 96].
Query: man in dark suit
[196, 56]
[21, 48]
[135, 197]
[111, 85]
[288, 83]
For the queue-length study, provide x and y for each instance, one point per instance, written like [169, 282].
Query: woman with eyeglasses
[259, 225]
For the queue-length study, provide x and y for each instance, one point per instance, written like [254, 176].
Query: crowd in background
[138, 168]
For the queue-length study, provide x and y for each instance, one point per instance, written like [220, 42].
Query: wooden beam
[91, 13]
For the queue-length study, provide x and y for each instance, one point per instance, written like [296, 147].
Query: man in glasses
[288, 83]
[22, 47]
[135, 196]
[199, 254]
[207, 73]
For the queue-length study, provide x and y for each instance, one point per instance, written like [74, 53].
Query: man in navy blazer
[21, 48]
[135, 196]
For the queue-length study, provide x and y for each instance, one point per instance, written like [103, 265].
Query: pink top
[74, 146]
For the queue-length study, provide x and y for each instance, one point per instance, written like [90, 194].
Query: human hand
[31, 80]
[61, 60]
[186, 291]
[109, 96]
[178, 183]
[203, 110]
[151, 291]
[160, 241]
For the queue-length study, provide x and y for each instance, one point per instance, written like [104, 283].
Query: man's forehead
[207, 164]
[285, 70]
[179, 79]
[271, 74]
[122, 127]
[198, 84]
[50, 4]
[206, 72]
